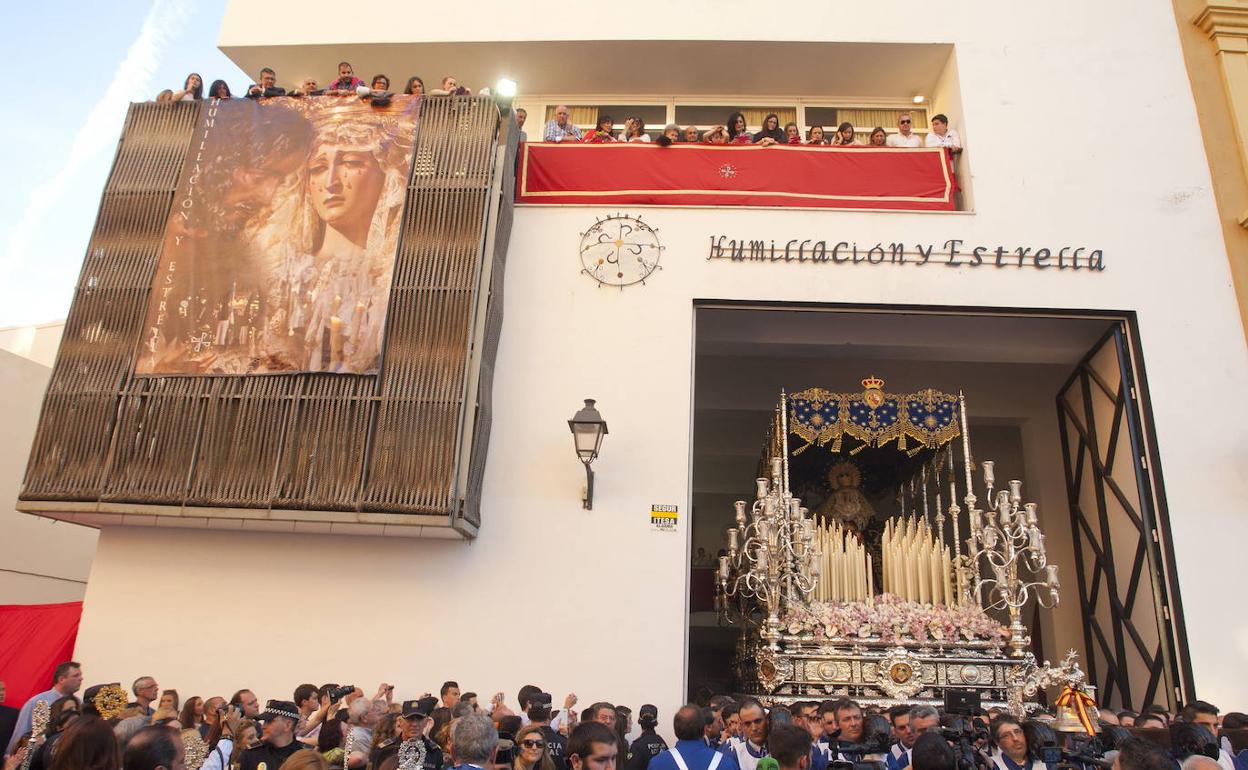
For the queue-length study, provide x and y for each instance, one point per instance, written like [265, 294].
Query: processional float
[830, 603]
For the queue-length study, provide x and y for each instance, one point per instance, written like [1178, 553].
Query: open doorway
[1037, 385]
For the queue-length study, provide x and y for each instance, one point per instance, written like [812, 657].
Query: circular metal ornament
[900, 673]
[620, 250]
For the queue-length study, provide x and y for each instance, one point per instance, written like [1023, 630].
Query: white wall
[41, 561]
[594, 601]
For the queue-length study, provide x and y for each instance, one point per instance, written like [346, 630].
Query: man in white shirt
[943, 136]
[904, 136]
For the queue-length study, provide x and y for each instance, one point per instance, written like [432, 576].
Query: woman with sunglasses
[531, 750]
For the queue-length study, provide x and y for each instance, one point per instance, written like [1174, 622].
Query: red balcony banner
[919, 179]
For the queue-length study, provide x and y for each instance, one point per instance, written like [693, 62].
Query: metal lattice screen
[391, 443]
[1129, 626]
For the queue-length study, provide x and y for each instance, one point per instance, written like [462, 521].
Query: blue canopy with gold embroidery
[873, 417]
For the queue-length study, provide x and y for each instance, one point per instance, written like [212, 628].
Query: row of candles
[917, 565]
[847, 574]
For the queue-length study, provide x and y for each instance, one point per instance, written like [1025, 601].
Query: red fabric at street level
[34, 638]
[704, 175]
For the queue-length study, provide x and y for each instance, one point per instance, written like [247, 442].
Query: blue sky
[77, 67]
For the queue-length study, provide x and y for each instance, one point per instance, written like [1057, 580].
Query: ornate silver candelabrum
[772, 559]
[1007, 538]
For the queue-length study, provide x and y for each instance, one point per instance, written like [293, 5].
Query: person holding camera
[649, 743]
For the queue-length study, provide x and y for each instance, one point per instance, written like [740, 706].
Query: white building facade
[1080, 131]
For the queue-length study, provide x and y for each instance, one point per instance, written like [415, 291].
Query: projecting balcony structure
[397, 452]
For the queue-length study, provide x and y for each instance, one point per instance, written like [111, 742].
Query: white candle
[870, 580]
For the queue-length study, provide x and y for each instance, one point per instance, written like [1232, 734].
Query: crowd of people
[339, 726]
[734, 132]
[560, 129]
[346, 84]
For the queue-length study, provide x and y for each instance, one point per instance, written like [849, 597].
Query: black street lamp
[588, 428]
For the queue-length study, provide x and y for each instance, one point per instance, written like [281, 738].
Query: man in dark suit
[8, 719]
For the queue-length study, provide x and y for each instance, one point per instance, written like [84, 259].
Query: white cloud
[98, 134]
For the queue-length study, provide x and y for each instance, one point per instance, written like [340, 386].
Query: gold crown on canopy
[873, 383]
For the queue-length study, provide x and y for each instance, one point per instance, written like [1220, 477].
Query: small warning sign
[663, 518]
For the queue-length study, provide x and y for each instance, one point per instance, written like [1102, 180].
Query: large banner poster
[280, 245]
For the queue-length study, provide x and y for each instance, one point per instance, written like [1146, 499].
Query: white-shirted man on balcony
[904, 136]
[943, 136]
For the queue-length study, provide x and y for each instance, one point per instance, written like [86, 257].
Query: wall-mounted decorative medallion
[620, 250]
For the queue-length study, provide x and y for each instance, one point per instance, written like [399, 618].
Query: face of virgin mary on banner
[280, 246]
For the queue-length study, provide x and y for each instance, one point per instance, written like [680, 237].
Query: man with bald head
[691, 752]
[561, 129]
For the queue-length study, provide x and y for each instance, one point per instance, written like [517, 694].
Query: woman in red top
[602, 132]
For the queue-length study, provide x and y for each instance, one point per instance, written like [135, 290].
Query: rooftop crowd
[560, 129]
[339, 726]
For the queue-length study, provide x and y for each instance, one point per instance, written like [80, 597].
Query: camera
[338, 693]
[861, 765]
[1050, 755]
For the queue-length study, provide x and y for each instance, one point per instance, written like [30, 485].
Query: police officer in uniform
[649, 743]
[279, 718]
[539, 714]
[415, 715]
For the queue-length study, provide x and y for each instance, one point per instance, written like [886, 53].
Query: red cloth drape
[803, 176]
[34, 638]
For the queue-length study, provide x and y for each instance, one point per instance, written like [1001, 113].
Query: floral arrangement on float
[892, 619]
